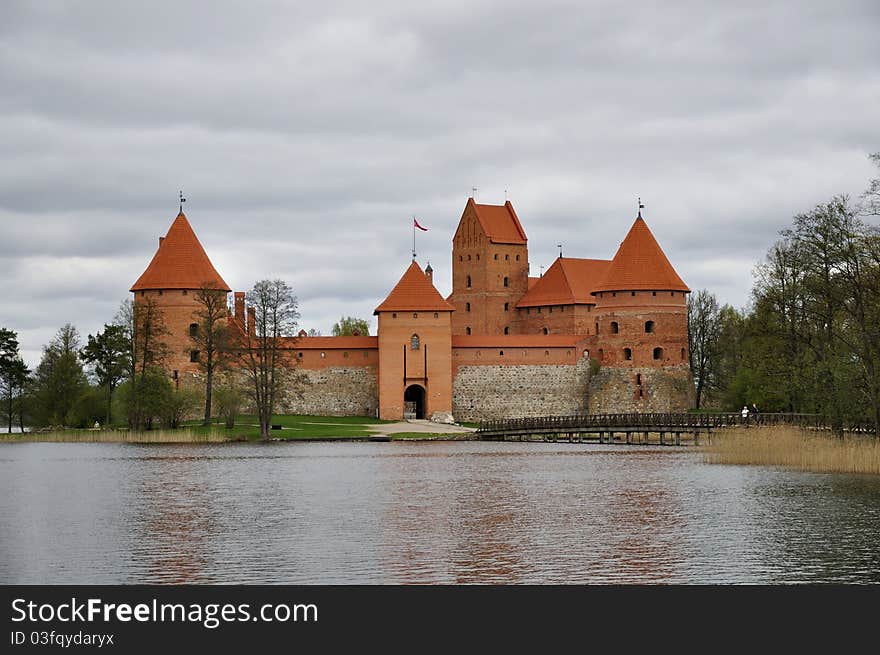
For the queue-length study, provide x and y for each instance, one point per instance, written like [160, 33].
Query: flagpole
[414, 236]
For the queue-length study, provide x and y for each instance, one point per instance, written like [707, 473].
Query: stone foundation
[348, 391]
[625, 390]
[496, 392]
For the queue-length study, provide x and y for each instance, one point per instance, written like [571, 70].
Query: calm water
[423, 513]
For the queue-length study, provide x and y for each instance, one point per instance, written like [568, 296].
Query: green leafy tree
[349, 326]
[109, 353]
[14, 377]
[60, 380]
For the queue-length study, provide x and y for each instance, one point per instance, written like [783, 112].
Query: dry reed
[117, 436]
[796, 448]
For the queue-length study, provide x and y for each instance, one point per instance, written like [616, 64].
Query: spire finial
[559, 245]
[474, 192]
[641, 207]
[182, 200]
[505, 195]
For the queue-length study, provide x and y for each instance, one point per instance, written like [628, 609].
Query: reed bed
[796, 448]
[117, 436]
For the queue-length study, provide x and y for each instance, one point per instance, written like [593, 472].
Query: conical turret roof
[180, 262]
[640, 264]
[414, 292]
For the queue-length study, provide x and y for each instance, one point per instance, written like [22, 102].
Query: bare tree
[704, 330]
[144, 324]
[210, 336]
[275, 315]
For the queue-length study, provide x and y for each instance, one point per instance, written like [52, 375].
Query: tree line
[118, 376]
[809, 340]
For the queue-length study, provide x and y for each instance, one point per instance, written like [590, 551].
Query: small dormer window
[414, 342]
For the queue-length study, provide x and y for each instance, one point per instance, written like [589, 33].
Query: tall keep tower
[177, 271]
[490, 269]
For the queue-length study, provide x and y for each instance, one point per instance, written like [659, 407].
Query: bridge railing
[651, 421]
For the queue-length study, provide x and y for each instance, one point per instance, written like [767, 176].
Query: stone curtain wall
[496, 392]
[616, 390]
[342, 391]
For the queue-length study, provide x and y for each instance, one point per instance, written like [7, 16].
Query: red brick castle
[588, 336]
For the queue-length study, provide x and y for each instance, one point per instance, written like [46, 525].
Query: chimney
[161, 239]
[252, 321]
[239, 307]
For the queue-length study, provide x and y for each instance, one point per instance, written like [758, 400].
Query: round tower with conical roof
[641, 321]
[172, 280]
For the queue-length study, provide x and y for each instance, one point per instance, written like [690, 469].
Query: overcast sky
[305, 135]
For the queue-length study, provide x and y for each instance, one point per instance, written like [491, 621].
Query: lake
[424, 512]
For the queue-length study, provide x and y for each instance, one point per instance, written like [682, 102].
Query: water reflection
[423, 513]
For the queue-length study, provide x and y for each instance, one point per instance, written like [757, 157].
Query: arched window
[506, 330]
[507, 307]
[469, 281]
[597, 328]
[639, 379]
[414, 342]
[658, 353]
[517, 258]
[627, 353]
[632, 293]
[507, 258]
[436, 314]
[496, 255]
[546, 331]
[501, 353]
[478, 258]
[394, 315]
[649, 326]
[467, 330]
[615, 328]
[586, 354]
[506, 281]
[469, 257]
[415, 315]
[193, 329]
[467, 307]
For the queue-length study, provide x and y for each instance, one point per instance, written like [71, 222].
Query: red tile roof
[180, 262]
[414, 292]
[568, 281]
[640, 264]
[517, 341]
[499, 223]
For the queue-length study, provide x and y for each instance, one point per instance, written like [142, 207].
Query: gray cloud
[306, 135]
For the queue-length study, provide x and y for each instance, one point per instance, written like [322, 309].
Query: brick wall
[641, 389]
[334, 391]
[482, 392]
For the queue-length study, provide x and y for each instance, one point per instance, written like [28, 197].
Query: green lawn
[297, 427]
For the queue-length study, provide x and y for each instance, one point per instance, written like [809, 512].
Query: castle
[588, 336]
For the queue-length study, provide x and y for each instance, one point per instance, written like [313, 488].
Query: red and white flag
[416, 224]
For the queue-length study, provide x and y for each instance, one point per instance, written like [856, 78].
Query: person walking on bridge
[745, 414]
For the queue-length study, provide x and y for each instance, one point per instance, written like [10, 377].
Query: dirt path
[419, 426]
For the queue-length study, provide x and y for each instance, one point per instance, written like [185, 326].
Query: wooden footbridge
[633, 429]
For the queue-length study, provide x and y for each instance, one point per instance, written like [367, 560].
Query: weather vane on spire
[182, 200]
[474, 192]
[559, 245]
[641, 206]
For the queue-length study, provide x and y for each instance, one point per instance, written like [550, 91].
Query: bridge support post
[678, 438]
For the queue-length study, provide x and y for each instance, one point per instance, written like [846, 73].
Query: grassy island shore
[292, 428]
[795, 448]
